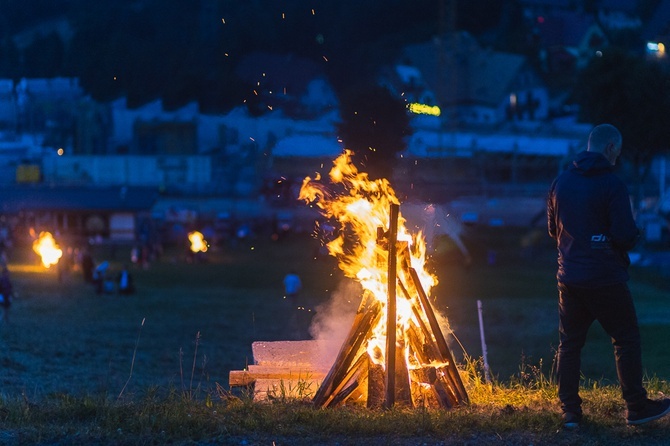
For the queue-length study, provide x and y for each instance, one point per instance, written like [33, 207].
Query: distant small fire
[46, 247]
[198, 242]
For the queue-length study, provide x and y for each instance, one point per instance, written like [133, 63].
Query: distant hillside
[185, 51]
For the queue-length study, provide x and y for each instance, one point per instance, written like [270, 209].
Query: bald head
[606, 139]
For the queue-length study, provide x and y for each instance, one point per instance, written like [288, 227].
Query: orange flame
[363, 207]
[198, 242]
[47, 248]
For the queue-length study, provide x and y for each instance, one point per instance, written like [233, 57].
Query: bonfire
[395, 351]
[198, 242]
[48, 249]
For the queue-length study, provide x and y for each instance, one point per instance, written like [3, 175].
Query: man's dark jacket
[589, 215]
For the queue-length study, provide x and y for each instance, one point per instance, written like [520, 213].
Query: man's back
[590, 217]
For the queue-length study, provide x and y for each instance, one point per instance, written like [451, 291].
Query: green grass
[86, 341]
[516, 413]
[78, 368]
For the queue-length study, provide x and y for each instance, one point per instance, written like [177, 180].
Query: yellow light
[423, 109]
[60, 151]
[657, 48]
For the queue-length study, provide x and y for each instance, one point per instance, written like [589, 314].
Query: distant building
[471, 85]
[243, 146]
[49, 106]
[78, 213]
[294, 84]
[568, 40]
[8, 106]
[657, 31]
[152, 130]
[170, 173]
[619, 15]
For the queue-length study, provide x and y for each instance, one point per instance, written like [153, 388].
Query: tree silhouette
[633, 94]
[374, 125]
[45, 55]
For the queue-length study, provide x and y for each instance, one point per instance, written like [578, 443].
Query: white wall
[132, 170]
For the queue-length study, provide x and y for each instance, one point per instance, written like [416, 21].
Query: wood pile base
[286, 368]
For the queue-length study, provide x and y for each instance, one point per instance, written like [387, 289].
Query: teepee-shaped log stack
[430, 378]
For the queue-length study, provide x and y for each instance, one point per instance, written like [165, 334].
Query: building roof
[565, 28]
[15, 199]
[307, 146]
[627, 6]
[659, 24]
[563, 4]
[461, 73]
[435, 144]
[55, 86]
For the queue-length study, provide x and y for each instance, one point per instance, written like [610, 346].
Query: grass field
[63, 337]
[152, 368]
[189, 324]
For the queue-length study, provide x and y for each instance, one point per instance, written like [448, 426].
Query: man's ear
[611, 152]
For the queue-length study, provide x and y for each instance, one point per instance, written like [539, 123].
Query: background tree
[374, 125]
[9, 59]
[633, 94]
[45, 55]
[183, 51]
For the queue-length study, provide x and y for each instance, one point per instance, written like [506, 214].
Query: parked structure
[471, 85]
[111, 213]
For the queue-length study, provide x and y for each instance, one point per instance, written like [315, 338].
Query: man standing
[292, 284]
[6, 293]
[589, 215]
[292, 287]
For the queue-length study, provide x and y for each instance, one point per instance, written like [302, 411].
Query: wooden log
[418, 346]
[433, 354]
[391, 312]
[423, 393]
[439, 337]
[449, 385]
[360, 331]
[423, 345]
[427, 353]
[425, 375]
[424, 332]
[425, 396]
[403, 394]
[442, 394]
[349, 382]
[344, 394]
[246, 377]
[376, 389]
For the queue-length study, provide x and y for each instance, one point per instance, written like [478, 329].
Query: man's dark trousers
[612, 306]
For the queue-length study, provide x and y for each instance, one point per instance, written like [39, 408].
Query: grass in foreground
[519, 412]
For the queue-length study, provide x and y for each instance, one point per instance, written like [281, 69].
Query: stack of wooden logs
[418, 369]
[292, 369]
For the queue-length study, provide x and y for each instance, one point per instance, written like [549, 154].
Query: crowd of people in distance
[6, 293]
[103, 280]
